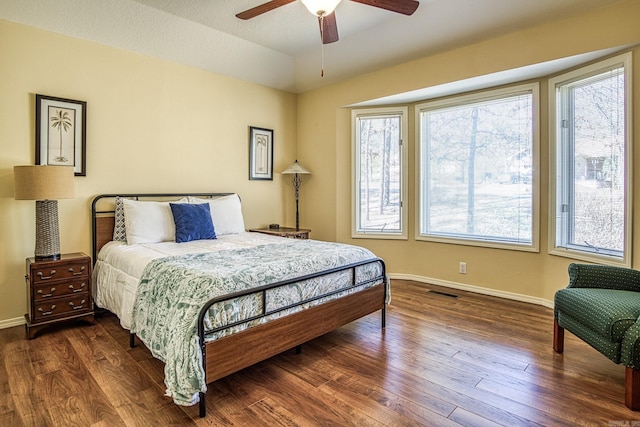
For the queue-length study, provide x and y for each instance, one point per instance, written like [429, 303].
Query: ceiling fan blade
[328, 28]
[263, 8]
[405, 7]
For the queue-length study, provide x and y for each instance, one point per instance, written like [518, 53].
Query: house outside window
[591, 170]
[477, 166]
[379, 173]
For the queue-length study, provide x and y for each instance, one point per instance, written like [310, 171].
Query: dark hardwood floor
[473, 360]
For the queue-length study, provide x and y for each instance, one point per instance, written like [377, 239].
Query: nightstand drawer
[53, 290]
[55, 272]
[61, 307]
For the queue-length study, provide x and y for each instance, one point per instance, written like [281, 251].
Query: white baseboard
[10, 323]
[471, 288]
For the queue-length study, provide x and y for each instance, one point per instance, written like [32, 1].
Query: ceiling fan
[324, 10]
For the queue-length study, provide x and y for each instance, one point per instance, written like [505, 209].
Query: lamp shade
[295, 167]
[43, 182]
[321, 7]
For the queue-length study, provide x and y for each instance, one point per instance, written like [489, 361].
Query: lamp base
[47, 231]
[47, 258]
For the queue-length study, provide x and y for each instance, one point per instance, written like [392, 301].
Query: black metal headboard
[103, 212]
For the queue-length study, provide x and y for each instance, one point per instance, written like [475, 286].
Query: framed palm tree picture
[260, 153]
[61, 133]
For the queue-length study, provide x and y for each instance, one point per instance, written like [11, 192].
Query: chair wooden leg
[558, 337]
[632, 389]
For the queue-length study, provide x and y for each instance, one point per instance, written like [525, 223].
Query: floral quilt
[173, 290]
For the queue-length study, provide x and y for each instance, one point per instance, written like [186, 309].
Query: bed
[199, 303]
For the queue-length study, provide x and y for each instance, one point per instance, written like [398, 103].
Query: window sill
[379, 236]
[588, 257]
[480, 243]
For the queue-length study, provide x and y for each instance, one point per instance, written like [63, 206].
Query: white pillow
[148, 222]
[226, 213]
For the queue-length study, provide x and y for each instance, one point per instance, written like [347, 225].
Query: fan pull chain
[322, 47]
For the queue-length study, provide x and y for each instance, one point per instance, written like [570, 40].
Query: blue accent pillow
[193, 222]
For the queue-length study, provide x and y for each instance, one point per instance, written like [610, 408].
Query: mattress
[119, 266]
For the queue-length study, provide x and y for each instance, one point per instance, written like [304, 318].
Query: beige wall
[158, 126]
[152, 126]
[325, 148]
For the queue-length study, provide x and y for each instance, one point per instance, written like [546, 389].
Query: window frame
[555, 179]
[381, 112]
[495, 93]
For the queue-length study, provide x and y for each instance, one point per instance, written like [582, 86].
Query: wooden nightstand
[58, 291]
[291, 233]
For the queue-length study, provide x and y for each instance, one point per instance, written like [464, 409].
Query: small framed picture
[260, 153]
[61, 133]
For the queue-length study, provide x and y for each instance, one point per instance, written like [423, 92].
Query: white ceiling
[282, 48]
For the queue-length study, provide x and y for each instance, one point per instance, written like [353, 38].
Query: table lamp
[45, 185]
[296, 170]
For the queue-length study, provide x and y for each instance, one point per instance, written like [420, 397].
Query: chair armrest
[604, 277]
[630, 349]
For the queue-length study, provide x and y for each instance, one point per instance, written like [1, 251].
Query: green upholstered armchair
[601, 306]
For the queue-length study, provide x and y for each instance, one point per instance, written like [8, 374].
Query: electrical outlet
[463, 268]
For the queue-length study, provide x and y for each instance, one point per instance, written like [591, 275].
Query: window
[590, 128]
[379, 173]
[477, 161]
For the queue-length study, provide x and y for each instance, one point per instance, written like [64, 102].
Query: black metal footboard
[262, 292]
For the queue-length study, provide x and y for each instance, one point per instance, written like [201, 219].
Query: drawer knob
[43, 277]
[77, 307]
[80, 289]
[43, 295]
[76, 273]
[46, 313]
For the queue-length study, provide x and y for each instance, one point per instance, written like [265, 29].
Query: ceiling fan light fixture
[321, 7]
